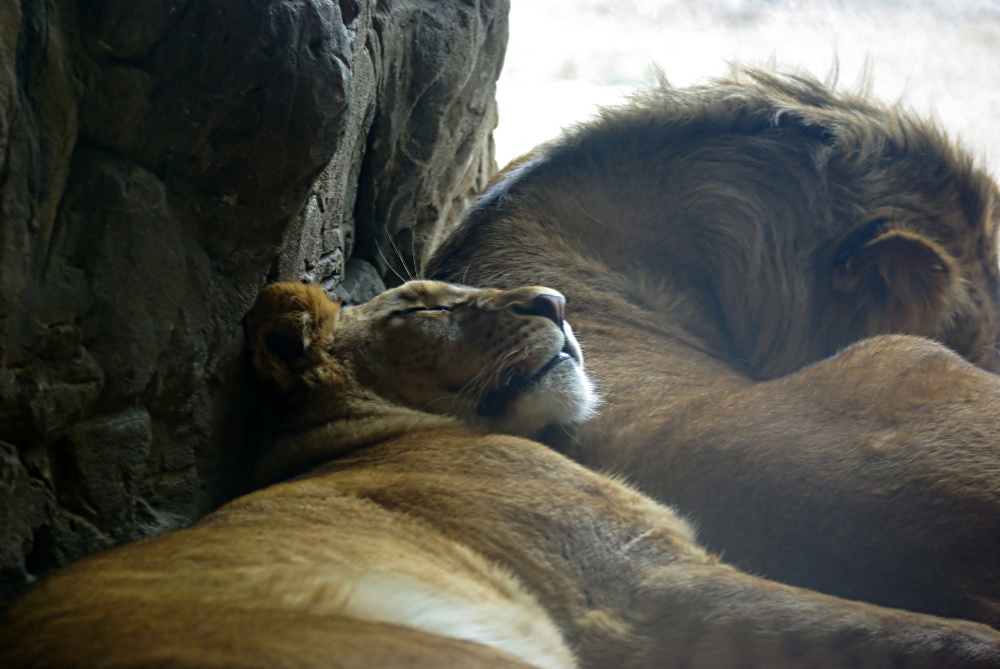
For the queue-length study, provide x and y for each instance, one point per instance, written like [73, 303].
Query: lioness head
[505, 360]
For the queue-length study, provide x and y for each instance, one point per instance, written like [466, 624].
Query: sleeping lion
[426, 535]
[776, 285]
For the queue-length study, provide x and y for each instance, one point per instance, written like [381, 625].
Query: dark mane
[740, 193]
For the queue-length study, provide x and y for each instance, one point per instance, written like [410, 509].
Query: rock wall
[159, 162]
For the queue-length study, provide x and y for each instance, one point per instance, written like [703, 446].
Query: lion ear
[907, 279]
[290, 328]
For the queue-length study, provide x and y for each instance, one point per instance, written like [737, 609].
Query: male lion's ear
[289, 329]
[905, 279]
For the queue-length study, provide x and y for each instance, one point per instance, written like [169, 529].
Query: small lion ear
[289, 329]
[906, 278]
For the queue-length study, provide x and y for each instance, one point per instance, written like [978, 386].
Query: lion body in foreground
[432, 541]
[771, 282]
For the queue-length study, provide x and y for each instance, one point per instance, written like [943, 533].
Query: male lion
[771, 281]
[432, 541]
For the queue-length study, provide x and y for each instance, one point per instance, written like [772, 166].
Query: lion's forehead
[439, 293]
[433, 293]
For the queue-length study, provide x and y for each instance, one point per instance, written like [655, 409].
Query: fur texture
[741, 259]
[438, 544]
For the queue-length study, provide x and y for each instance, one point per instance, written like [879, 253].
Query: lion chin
[424, 536]
[559, 393]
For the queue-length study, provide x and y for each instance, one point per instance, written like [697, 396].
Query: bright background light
[566, 57]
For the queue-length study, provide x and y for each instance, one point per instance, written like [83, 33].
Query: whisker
[511, 370]
[501, 362]
[476, 387]
[482, 284]
[586, 213]
[435, 400]
[471, 383]
[413, 254]
[399, 255]
[412, 290]
[569, 434]
[388, 264]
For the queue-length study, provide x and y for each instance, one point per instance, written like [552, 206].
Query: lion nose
[548, 305]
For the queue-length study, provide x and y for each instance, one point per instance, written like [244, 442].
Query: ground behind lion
[566, 57]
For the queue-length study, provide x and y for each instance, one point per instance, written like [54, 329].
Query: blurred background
[566, 57]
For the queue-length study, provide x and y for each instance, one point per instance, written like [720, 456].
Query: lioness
[432, 541]
[743, 259]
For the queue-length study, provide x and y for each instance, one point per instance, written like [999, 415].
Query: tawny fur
[441, 545]
[742, 259]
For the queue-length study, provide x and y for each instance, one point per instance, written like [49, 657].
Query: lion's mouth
[496, 402]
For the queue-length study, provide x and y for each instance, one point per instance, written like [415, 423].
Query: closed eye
[411, 310]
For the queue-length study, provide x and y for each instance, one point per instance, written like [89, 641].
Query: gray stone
[430, 149]
[159, 162]
[361, 283]
[24, 505]
[109, 456]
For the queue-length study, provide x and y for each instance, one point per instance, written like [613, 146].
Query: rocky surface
[159, 162]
